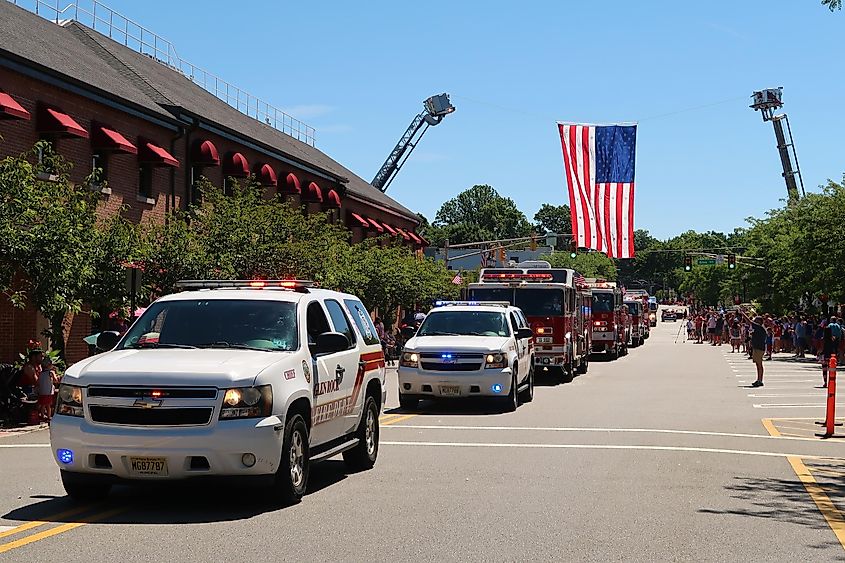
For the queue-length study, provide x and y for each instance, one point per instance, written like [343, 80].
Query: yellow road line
[835, 519]
[386, 417]
[59, 529]
[770, 427]
[398, 419]
[46, 520]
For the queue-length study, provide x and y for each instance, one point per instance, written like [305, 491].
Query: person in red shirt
[699, 323]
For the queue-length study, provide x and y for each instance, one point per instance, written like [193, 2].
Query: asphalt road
[660, 455]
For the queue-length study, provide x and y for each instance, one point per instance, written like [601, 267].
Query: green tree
[589, 264]
[480, 213]
[833, 5]
[553, 219]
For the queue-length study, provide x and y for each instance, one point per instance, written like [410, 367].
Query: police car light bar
[513, 276]
[297, 285]
[479, 303]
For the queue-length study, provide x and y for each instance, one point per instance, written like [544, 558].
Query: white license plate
[450, 390]
[146, 466]
[544, 340]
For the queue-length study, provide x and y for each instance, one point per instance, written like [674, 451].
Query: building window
[100, 168]
[145, 181]
[45, 152]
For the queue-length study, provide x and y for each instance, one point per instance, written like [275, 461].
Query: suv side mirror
[524, 333]
[107, 340]
[329, 343]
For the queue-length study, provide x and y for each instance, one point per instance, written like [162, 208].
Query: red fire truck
[611, 323]
[640, 326]
[557, 309]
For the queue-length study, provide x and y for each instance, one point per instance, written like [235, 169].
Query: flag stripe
[599, 163]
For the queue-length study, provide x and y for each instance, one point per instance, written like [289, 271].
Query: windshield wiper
[437, 333]
[223, 344]
[159, 345]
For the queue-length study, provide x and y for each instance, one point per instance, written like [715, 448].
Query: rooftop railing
[133, 35]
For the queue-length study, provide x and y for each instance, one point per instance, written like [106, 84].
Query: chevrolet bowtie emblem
[146, 403]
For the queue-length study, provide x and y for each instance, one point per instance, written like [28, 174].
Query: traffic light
[533, 241]
[687, 263]
[731, 261]
[573, 248]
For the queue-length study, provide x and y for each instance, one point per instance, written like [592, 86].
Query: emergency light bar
[512, 276]
[295, 285]
[479, 303]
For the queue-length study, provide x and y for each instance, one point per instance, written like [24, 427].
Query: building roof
[92, 59]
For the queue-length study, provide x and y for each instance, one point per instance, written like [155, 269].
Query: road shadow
[182, 502]
[783, 500]
[462, 406]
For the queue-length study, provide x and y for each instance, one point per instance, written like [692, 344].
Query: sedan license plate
[148, 466]
[450, 390]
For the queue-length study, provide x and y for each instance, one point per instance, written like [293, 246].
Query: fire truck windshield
[603, 302]
[534, 302]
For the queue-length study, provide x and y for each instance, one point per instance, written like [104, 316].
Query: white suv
[251, 379]
[469, 349]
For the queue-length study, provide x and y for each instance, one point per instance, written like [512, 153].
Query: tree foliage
[476, 214]
[553, 219]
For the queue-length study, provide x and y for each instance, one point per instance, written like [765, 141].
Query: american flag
[599, 162]
[458, 280]
[578, 279]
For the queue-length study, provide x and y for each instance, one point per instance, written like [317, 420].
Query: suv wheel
[84, 488]
[528, 394]
[363, 456]
[292, 475]
[408, 403]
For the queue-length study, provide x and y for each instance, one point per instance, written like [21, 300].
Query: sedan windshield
[465, 323]
[216, 323]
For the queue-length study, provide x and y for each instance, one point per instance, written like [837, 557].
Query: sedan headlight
[495, 360]
[70, 400]
[247, 402]
[409, 359]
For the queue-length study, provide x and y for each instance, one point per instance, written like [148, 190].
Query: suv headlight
[70, 400]
[495, 360]
[247, 402]
[409, 359]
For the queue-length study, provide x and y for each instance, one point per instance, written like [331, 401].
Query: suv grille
[134, 416]
[432, 366]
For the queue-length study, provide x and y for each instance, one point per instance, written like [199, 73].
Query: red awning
[332, 200]
[236, 165]
[155, 155]
[361, 221]
[414, 236]
[53, 121]
[10, 109]
[110, 140]
[375, 225]
[267, 176]
[403, 233]
[205, 153]
[390, 229]
[292, 183]
[314, 193]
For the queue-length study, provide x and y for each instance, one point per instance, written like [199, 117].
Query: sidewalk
[20, 430]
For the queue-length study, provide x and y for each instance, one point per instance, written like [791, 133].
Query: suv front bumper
[417, 382]
[222, 444]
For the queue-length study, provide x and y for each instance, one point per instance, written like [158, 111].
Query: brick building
[152, 127]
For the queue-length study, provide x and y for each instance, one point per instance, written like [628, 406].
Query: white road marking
[772, 395]
[602, 430]
[600, 447]
[5, 528]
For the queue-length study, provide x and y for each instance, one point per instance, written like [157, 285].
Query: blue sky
[358, 72]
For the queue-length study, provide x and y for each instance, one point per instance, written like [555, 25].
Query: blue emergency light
[65, 456]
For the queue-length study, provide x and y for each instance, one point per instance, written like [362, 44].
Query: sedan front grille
[134, 416]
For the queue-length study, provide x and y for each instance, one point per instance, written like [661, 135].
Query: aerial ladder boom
[436, 108]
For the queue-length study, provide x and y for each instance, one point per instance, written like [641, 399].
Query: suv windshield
[603, 302]
[465, 323]
[216, 323]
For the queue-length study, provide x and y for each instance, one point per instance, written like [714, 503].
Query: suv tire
[292, 475]
[363, 456]
[408, 403]
[528, 394]
[84, 488]
[511, 402]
